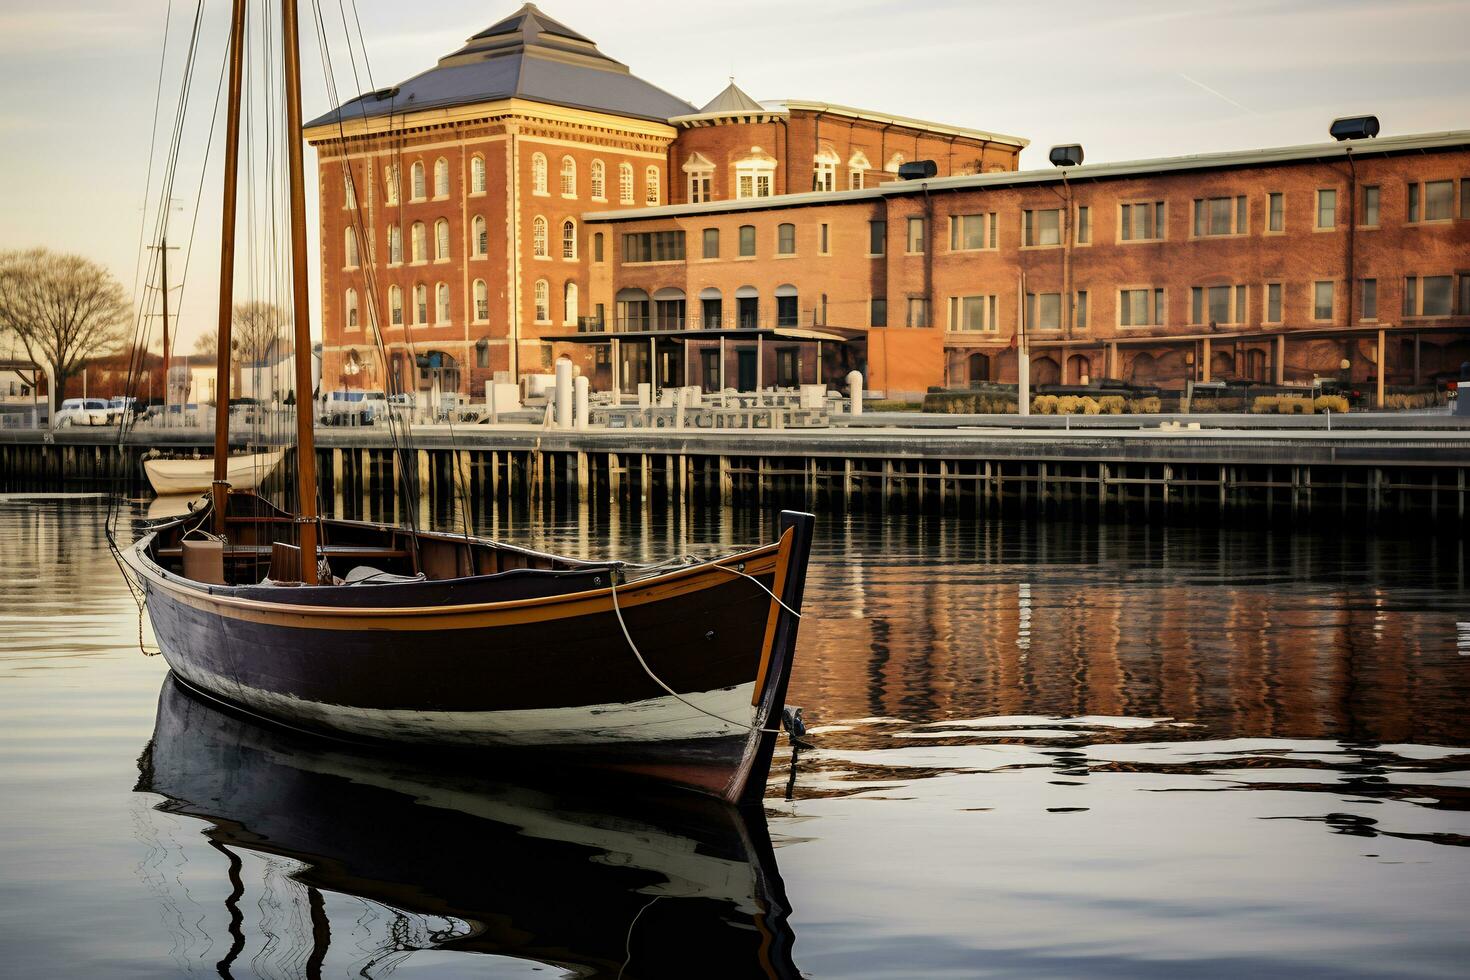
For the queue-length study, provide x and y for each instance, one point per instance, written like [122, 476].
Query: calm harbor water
[1039, 749]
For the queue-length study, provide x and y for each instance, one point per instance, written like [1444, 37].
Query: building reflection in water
[419, 856]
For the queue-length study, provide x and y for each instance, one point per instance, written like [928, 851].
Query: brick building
[453, 204]
[1273, 265]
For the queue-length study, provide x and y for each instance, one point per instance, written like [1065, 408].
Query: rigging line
[367, 268]
[152, 141]
[617, 609]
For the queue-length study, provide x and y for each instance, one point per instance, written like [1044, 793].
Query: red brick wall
[902, 359]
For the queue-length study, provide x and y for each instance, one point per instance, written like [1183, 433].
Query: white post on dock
[1023, 351]
[579, 387]
[563, 393]
[617, 385]
[855, 392]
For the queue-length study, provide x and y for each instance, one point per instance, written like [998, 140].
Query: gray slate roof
[733, 99]
[528, 56]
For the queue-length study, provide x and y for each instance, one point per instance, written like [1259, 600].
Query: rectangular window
[1322, 298]
[1276, 212]
[1273, 302]
[1140, 307]
[1370, 299]
[823, 238]
[747, 240]
[972, 313]
[1084, 225]
[1326, 209]
[1370, 207]
[786, 239]
[877, 237]
[653, 246]
[1219, 216]
[1465, 200]
[1042, 227]
[1428, 295]
[597, 247]
[1464, 295]
[1439, 200]
[1413, 202]
[915, 242]
[1141, 222]
[712, 243]
[878, 312]
[1044, 311]
[971, 232]
[699, 187]
[918, 312]
[1217, 304]
[1079, 310]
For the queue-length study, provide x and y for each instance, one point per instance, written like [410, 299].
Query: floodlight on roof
[1354, 128]
[1069, 155]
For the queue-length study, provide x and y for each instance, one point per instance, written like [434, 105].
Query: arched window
[755, 176]
[625, 183]
[824, 175]
[543, 302]
[441, 308]
[477, 175]
[350, 304]
[349, 188]
[441, 240]
[390, 183]
[569, 304]
[568, 177]
[416, 174]
[857, 168]
[441, 177]
[651, 193]
[395, 305]
[481, 237]
[538, 237]
[538, 173]
[418, 242]
[599, 181]
[350, 248]
[420, 303]
[482, 301]
[395, 244]
[597, 247]
[569, 239]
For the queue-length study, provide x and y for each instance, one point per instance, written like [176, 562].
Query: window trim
[1159, 299]
[1317, 217]
[1268, 230]
[1161, 221]
[1061, 233]
[1266, 317]
[1332, 317]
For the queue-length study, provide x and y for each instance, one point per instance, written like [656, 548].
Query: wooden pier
[1288, 472]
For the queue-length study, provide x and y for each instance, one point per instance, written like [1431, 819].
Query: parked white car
[87, 411]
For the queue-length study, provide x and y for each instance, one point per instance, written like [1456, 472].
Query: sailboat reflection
[612, 885]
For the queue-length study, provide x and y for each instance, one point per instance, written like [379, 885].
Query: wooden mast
[220, 487]
[300, 310]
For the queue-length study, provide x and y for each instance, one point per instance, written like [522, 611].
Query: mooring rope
[617, 609]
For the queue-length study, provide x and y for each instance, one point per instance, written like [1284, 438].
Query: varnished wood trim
[783, 562]
[760, 561]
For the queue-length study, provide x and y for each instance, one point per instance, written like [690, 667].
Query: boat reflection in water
[617, 884]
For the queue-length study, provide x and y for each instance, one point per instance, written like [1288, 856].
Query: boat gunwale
[632, 594]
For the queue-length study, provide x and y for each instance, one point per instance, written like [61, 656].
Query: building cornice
[485, 112]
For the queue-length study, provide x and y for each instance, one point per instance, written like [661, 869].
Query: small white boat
[172, 476]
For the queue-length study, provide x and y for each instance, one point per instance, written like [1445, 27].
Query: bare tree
[257, 330]
[63, 309]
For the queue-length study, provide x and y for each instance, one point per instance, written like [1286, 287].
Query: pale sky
[1126, 79]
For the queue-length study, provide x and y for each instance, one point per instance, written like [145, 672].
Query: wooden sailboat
[591, 882]
[375, 632]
